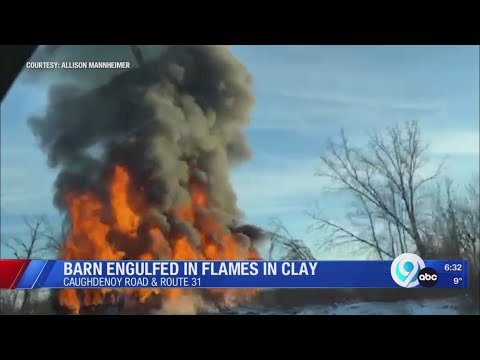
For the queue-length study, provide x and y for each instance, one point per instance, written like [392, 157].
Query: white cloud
[281, 185]
[454, 142]
[319, 110]
[26, 181]
[345, 99]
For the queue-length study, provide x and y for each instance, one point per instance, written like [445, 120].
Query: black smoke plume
[178, 117]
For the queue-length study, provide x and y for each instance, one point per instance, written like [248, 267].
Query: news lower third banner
[402, 272]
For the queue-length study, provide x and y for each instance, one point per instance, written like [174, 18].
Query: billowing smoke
[175, 126]
[186, 109]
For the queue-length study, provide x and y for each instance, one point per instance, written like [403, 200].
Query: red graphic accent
[11, 271]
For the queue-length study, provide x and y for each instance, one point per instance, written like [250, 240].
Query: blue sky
[304, 95]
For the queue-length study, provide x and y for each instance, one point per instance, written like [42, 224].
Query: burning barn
[144, 166]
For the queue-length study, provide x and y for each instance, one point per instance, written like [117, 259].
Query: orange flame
[96, 235]
[126, 219]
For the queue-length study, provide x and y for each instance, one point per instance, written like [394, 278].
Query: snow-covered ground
[449, 306]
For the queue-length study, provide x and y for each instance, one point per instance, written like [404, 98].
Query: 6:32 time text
[453, 267]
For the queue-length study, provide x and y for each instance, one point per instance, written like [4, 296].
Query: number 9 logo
[405, 269]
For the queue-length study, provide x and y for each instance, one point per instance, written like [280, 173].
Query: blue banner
[245, 274]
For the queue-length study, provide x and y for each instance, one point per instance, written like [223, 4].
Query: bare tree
[55, 237]
[471, 223]
[385, 180]
[28, 248]
[8, 301]
[453, 228]
[284, 247]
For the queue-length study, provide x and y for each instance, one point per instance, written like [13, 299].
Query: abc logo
[427, 277]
